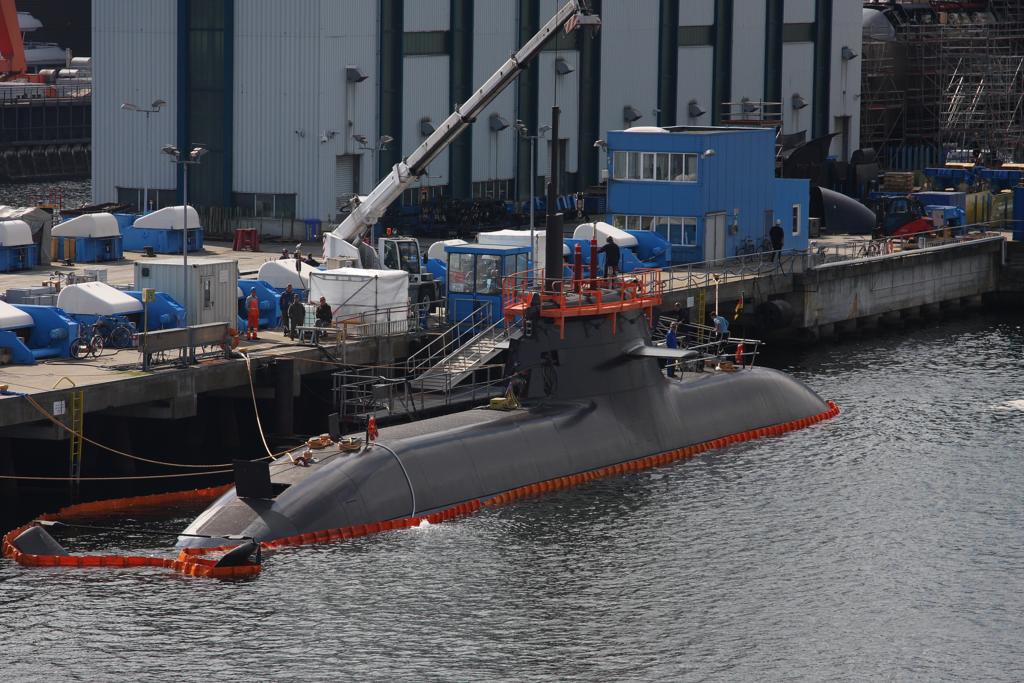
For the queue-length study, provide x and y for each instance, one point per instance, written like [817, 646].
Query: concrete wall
[860, 289]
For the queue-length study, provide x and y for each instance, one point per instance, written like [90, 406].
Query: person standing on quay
[287, 296]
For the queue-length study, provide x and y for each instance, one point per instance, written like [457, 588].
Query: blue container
[18, 258]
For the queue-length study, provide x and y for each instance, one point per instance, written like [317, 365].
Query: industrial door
[345, 179]
[714, 236]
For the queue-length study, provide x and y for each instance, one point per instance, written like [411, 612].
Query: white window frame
[689, 221]
[645, 158]
[620, 165]
[797, 217]
[627, 166]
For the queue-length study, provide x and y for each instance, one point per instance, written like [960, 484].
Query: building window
[679, 231]
[264, 205]
[796, 219]
[492, 189]
[620, 164]
[157, 198]
[663, 166]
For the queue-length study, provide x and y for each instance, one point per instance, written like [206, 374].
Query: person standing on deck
[611, 257]
[287, 296]
[776, 236]
[252, 308]
[298, 262]
[296, 316]
[671, 342]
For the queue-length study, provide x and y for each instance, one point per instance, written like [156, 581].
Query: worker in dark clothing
[296, 316]
[324, 315]
[298, 262]
[284, 255]
[311, 261]
[671, 342]
[287, 296]
[776, 236]
[682, 317]
[611, 257]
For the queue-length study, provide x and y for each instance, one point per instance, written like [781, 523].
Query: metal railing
[713, 349]
[730, 269]
[449, 340]
[823, 254]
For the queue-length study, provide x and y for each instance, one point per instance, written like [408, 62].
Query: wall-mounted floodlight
[426, 127]
[798, 101]
[847, 54]
[694, 111]
[354, 74]
[385, 140]
[361, 139]
[562, 67]
[497, 123]
[630, 114]
[600, 144]
[543, 130]
[707, 154]
[747, 106]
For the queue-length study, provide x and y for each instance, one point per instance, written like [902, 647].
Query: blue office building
[710, 191]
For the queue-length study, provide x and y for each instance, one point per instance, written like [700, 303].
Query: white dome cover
[585, 231]
[88, 225]
[12, 318]
[281, 273]
[15, 234]
[646, 129]
[515, 238]
[436, 250]
[168, 218]
[96, 298]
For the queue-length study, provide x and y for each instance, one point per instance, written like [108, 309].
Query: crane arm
[12, 49]
[572, 15]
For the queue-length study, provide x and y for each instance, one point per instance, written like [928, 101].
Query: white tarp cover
[585, 231]
[646, 129]
[12, 318]
[88, 225]
[168, 218]
[96, 298]
[370, 295]
[36, 218]
[516, 238]
[436, 250]
[15, 234]
[279, 274]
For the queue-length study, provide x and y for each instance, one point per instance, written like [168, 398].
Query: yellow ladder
[75, 446]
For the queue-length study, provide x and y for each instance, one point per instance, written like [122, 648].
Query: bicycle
[88, 344]
[115, 333]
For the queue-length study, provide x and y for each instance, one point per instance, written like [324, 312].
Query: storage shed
[161, 230]
[212, 285]
[17, 249]
[89, 238]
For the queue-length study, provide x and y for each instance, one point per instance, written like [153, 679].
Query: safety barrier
[191, 562]
[187, 564]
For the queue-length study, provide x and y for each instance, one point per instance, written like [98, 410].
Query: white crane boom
[368, 210]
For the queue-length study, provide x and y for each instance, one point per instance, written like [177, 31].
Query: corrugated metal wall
[629, 59]
[565, 92]
[802, 11]
[291, 116]
[426, 15]
[494, 39]
[845, 78]
[696, 65]
[134, 60]
[797, 77]
[696, 12]
[748, 51]
[425, 87]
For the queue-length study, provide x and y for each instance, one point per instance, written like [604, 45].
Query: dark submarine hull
[588, 404]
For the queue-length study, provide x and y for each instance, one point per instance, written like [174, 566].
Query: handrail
[429, 356]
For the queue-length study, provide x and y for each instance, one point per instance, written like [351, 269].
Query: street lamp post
[190, 159]
[524, 133]
[156, 106]
[375, 150]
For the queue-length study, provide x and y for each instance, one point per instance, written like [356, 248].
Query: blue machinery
[270, 304]
[36, 332]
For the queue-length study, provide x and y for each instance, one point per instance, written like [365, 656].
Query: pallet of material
[902, 181]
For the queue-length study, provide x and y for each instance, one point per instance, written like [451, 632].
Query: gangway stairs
[473, 355]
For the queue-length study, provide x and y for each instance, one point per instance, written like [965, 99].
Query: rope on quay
[54, 420]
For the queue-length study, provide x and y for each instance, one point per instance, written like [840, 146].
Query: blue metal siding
[738, 180]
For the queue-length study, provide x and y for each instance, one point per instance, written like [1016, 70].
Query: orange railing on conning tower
[578, 296]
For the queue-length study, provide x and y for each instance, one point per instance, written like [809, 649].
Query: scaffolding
[952, 79]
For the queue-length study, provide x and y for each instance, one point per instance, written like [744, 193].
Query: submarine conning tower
[577, 333]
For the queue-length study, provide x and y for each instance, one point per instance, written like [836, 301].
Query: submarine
[591, 395]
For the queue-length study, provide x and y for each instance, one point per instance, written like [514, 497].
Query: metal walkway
[460, 364]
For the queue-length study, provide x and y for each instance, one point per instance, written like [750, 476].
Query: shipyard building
[304, 103]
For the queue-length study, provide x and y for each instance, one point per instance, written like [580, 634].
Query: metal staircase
[464, 360]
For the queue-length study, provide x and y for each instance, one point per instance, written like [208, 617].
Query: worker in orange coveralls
[252, 307]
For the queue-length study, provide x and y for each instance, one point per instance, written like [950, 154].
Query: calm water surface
[885, 544]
